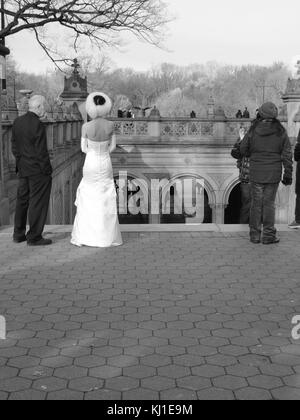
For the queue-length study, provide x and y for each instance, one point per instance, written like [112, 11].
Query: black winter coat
[297, 159]
[29, 146]
[270, 151]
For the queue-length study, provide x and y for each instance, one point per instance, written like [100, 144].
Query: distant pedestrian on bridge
[29, 146]
[246, 113]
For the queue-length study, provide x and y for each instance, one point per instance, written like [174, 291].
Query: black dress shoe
[19, 240]
[41, 242]
[255, 241]
[273, 241]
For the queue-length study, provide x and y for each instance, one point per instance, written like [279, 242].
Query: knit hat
[98, 104]
[268, 111]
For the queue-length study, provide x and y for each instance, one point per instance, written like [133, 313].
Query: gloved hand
[287, 180]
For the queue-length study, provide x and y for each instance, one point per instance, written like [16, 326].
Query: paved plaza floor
[167, 316]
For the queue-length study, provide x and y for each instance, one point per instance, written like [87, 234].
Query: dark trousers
[32, 202]
[262, 212]
[297, 212]
[246, 203]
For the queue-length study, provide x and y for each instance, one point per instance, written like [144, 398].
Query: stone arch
[211, 195]
[137, 213]
[232, 202]
[225, 200]
[207, 185]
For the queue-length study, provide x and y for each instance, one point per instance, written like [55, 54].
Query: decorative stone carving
[194, 129]
[75, 86]
[180, 129]
[141, 128]
[167, 129]
[118, 127]
[207, 129]
[128, 128]
[232, 129]
[219, 178]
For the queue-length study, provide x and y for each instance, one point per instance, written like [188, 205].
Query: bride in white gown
[96, 223]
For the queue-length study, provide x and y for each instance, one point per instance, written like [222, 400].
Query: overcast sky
[227, 31]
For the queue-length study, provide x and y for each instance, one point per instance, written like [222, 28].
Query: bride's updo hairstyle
[98, 104]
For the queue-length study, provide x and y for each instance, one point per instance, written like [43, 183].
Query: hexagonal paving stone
[23, 362]
[234, 350]
[139, 351]
[28, 395]
[140, 394]
[8, 372]
[107, 351]
[158, 383]
[195, 383]
[89, 361]
[286, 393]
[70, 372]
[103, 395]
[139, 371]
[123, 342]
[86, 384]
[215, 394]
[242, 370]
[14, 384]
[208, 371]
[173, 371]
[105, 372]
[202, 350]
[49, 384]
[65, 395]
[121, 383]
[122, 361]
[57, 361]
[253, 394]
[156, 360]
[265, 382]
[221, 360]
[36, 372]
[170, 350]
[189, 360]
[230, 382]
[178, 394]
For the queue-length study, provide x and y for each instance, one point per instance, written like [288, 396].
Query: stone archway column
[218, 213]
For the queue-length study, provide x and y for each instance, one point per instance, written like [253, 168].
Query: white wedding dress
[96, 223]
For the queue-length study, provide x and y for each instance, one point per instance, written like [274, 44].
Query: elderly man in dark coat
[296, 223]
[29, 146]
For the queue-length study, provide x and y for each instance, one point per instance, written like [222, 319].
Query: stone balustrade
[205, 130]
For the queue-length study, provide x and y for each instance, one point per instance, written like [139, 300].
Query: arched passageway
[173, 218]
[233, 210]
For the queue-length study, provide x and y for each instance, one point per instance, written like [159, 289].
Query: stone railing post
[291, 98]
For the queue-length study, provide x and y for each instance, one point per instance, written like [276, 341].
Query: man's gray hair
[35, 101]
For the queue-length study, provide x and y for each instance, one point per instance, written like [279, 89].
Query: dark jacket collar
[32, 114]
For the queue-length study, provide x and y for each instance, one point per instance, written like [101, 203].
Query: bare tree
[100, 21]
